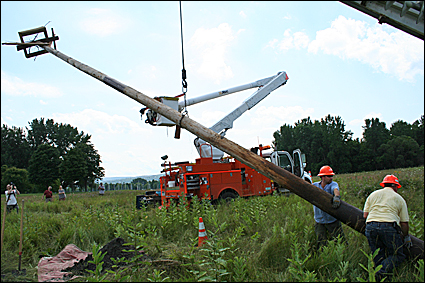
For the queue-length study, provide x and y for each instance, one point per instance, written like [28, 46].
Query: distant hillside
[114, 180]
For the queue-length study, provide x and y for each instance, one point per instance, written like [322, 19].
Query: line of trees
[326, 142]
[145, 184]
[47, 153]
[136, 184]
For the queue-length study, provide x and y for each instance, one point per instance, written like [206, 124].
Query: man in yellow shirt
[387, 218]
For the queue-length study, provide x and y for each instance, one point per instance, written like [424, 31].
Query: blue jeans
[328, 231]
[385, 237]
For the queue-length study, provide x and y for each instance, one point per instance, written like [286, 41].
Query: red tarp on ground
[49, 268]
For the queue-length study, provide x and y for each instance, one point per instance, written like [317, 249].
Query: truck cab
[295, 164]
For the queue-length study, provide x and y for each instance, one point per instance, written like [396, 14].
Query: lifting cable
[152, 119]
[184, 83]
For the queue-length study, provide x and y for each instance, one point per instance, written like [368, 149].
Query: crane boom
[222, 93]
[226, 123]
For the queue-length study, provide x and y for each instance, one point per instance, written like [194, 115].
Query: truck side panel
[226, 180]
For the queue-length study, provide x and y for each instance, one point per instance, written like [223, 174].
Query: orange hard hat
[326, 171]
[390, 179]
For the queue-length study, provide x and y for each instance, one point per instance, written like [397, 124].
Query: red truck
[213, 176]
[225, 180]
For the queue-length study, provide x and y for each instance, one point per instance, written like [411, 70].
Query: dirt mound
[113, 249]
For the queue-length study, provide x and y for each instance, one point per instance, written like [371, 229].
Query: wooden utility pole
[346, 213]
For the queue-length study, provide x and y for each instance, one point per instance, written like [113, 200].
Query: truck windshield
[284, 162]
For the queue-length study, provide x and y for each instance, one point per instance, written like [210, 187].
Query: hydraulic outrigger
[346, 213]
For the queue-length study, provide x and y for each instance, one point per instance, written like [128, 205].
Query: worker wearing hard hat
[327, 226]
[387, 225]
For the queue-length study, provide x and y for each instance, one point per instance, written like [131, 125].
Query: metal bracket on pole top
[26, 46]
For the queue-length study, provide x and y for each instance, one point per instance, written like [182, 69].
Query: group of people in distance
[12, 192]
[385, 213]
[48, 194]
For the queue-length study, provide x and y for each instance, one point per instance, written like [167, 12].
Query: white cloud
[15, 86]
[301, 40]
[209, 118]
[272, 43]
[97, 122]
[122, 143]
[287, 42]
[397, 53]
[356, 125]
[211, 46]
[287, 16]
[297, 40]
[240, 31]
[42, 102]
[103, 22]
[242, 14]
[277, 116]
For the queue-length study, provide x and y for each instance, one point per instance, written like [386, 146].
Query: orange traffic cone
[202, 234]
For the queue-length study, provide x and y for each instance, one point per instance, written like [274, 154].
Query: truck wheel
[228, 196]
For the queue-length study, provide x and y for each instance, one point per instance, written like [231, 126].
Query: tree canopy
[326, 142]
[51, 151]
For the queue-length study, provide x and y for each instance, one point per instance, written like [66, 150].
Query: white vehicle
[295, 164]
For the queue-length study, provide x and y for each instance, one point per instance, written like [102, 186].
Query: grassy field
[257, 239]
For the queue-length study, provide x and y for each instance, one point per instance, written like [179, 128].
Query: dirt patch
[113, 249]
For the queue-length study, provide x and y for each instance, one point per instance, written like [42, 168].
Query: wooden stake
[2, 227]
[21, 236]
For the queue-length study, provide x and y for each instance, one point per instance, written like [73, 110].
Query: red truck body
[212, 180]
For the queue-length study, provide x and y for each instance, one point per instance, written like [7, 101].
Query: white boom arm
[222, 93]
[227, 122]
[156, 119]
[265, 87]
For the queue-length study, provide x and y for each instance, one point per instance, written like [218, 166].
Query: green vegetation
[326, 142]
[49, 154]
[257, 239]
[52, 154]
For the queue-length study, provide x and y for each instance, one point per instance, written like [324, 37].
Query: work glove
[336, 201]
[408, 241]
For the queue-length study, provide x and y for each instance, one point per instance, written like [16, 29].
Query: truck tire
[228, 196]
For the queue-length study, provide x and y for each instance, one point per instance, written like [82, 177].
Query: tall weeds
[267, 238]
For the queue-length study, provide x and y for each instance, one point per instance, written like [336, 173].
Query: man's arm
[336, 200]
[365, 214]
[336, 192]
[404, 228]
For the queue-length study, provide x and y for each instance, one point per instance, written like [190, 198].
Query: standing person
[387, 225]
[48, 194]
[61, 193]
[101, 189]
[11, 197]
[327, 226]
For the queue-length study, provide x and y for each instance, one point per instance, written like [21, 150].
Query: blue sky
[339, 62]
